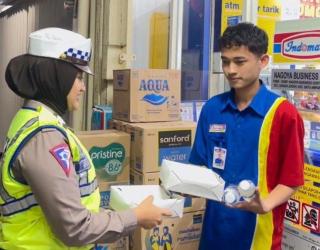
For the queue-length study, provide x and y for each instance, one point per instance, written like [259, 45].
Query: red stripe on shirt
[285, 159]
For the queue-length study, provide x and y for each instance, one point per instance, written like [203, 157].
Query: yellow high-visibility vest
[23, 224]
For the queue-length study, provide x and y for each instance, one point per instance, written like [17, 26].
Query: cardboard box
[121, 244]
[130, 196]
[153, 142]
[104, 189]
[128, 128]
[190, 204]
[146, 95]
[173, 233]
[191, 179]
[118, 125]
[138, 178]
[110, 153]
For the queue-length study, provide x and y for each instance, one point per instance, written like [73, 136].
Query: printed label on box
[175, 145]
[108, 161]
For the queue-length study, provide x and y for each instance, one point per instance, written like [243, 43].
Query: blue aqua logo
[157, 86]
[155, 99]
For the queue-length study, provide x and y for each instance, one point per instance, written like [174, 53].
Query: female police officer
[48, 194]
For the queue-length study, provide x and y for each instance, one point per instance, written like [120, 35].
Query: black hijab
[43, 79]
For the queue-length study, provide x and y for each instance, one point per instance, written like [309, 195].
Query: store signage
[304, 80]
[302, 46]
[294, 238]
[269, 12]
[231, 13]
[297, 47]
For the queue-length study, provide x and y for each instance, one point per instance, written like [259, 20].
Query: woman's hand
[149, 215]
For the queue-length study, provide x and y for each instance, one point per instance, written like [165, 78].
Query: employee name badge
[219, 157]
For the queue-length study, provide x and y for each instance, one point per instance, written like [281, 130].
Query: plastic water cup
[247, 189]
[231, 195]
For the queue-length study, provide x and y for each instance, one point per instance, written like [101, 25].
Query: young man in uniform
[261, 138]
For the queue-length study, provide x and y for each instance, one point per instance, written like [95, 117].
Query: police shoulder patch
[62, 154]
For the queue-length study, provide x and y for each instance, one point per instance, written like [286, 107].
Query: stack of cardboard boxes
[147, 106]
[146, 128]
[110, 153]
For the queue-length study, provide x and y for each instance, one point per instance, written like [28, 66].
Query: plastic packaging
[247, 189]
[231, 195]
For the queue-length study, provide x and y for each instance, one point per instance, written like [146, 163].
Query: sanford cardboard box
[110, 153]
[121, 244]
[190, 204]
[174, 233]
[153, 142]
[146, 95]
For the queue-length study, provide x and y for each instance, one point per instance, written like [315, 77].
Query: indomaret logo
[302, 46]
[157, 86]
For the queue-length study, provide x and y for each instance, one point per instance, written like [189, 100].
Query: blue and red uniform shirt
[263, 143]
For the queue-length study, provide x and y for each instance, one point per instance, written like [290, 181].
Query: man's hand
[279, 195]
[255, 205]
[149, 215]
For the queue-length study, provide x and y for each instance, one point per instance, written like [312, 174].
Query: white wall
[14, 31]
[142, 11]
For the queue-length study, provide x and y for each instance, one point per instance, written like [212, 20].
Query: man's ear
[264, 60]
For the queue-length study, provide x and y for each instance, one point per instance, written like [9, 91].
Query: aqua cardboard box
[146, 95]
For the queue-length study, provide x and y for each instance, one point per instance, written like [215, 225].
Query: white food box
[192, 180]
[130, 196]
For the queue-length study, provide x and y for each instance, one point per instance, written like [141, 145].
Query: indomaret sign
[297, 42]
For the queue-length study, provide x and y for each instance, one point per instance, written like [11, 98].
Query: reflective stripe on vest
[25, 126]
[89, 188]
[28, 201]
[18, 205]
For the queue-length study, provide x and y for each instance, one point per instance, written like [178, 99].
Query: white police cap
[61, 44]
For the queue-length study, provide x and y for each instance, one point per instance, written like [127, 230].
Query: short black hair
[245, 34]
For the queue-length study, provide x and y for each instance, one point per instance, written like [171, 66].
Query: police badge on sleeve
[62, 154]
